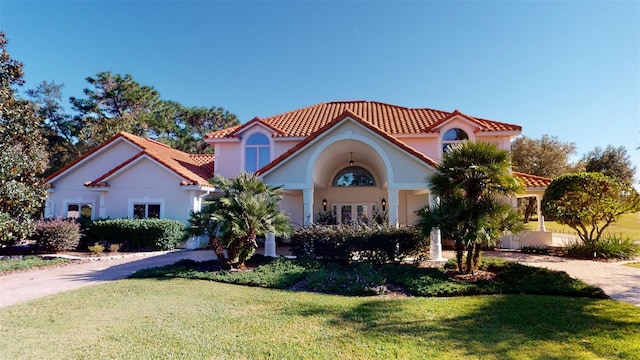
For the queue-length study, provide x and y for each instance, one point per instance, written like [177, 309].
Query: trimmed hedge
[138, 234]
[347, 243]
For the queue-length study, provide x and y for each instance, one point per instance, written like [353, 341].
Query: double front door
[347, 213]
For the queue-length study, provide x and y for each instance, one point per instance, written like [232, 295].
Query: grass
[627, 225]
[28, 262]
[180, 318]
[636, 264]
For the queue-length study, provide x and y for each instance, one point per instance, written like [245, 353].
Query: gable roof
[532, 181]
[347, 114]
[390, 119]
[195, 169]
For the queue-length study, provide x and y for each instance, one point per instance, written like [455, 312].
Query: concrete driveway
[618, 281]
[19, 287]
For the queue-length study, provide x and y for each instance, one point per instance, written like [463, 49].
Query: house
[353, 159]
[130, 177]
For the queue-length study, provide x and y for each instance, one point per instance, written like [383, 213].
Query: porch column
[102, 209]
[49, 208]
[392, 203]
[435, 248]
[270, 245]
[307, 199]
[539, 212]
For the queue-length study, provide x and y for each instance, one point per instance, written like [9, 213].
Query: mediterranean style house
[352, 159]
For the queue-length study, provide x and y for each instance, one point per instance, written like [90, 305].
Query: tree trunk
[469, 268]
[459, 255]
[219, 251]
[476, 256]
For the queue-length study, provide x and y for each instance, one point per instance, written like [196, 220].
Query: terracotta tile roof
[390, 119]
[339, 118]
[195, 169]
[532, 181]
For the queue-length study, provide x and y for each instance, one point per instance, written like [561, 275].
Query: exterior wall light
[324, 204]
[384, 204]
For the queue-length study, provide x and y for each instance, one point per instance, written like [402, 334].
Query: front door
[348, 213]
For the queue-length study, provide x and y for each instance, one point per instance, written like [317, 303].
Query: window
[146, 211]
[256, 152]
[79, 211]
[354, 176]
[453, 137]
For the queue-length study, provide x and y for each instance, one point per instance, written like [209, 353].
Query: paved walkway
[618, 281]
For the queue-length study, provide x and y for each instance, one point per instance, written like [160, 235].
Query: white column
[392, 203]
[435, 248]
[307, 199]
[102, 209]
[539, 212]
[270, 245]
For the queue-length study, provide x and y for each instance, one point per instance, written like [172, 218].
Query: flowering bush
[57, 235]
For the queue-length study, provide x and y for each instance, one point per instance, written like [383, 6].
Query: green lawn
[637, 264]
[29, 262]
[191, 319]
[627, 225]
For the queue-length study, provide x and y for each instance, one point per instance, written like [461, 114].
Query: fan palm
[244, 209]
[472, 184]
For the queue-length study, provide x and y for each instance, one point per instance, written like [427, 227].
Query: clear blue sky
[568, 69]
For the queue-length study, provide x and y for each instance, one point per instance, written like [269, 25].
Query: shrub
[358, 279]
[96, 248]
[346, 243]
[139, 234]
[57, 235]
[610, 247]
[114, 247]
[542, 250]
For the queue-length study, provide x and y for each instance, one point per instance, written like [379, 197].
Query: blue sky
[568, 69]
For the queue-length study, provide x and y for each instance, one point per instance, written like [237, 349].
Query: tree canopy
[471, 183]
[547, 157]
[612, 161]
[23, 155]
[114, 103]
[589, 202]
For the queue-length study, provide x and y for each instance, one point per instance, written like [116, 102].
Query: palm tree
[472, 184]
[244, 210]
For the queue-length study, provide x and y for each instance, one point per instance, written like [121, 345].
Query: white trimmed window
[257, 152]
[79, 211]
[453, 137]
[146, 208]
[146, 211]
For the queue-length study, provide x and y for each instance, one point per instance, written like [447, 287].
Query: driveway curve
[23, 286]
[618, 281]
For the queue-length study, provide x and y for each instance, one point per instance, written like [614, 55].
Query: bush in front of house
[56, 235]
[611, 246]
[346, 243]
[139, 234]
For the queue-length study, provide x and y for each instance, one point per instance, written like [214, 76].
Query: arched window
[256, 152]
[452, 137]
[354, 176]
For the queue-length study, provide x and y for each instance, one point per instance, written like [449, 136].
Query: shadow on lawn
[113, 271]
[497, 326]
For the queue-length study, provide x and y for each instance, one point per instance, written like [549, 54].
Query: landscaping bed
[496, 276]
